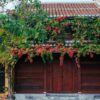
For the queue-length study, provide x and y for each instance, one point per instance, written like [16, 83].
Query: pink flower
[91, 55]
[60, 18]
[66, 24]
[71, 53]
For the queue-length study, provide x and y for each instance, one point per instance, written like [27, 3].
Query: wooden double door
[40, 77]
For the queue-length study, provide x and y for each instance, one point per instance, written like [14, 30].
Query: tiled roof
[71, 9]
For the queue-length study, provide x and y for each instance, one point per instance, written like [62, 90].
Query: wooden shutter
[29, 78]
[90, 74]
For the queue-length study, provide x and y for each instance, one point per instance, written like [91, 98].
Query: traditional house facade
[49, 81]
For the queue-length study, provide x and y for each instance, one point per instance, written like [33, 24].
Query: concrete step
[53, 96]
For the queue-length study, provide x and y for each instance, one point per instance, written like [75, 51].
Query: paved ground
[57, 97]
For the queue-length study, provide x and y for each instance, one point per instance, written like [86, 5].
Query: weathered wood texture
[50, 77]
[90, 74]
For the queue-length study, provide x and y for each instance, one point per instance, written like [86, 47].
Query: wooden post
[6, 80]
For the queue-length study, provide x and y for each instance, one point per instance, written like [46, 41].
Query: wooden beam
[6, 80]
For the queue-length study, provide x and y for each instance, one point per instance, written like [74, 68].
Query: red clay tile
[72, 9]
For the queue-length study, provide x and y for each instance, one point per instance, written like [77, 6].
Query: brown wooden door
[50, 77]
[90, 74]
[30, 78]
[62, 79]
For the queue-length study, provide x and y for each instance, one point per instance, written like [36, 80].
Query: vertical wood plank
[79, 80]
[49, 77]
[57, 79]
[45, 77]
[67, 76]
[57, 75]
[6, 80]
[75, 77]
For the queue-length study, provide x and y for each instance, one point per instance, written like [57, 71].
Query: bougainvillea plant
[27, 30]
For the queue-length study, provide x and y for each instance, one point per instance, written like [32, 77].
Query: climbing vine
[28, 30]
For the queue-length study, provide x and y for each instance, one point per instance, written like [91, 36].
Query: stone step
[60, 96]
[46, 97]
[53, 96]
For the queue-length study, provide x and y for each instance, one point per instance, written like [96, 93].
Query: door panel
[67, 76]
[57, 77]
[90, 74]
[63, 78]
[29, 78]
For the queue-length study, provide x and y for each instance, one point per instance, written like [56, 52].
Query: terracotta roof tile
[72, 9]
